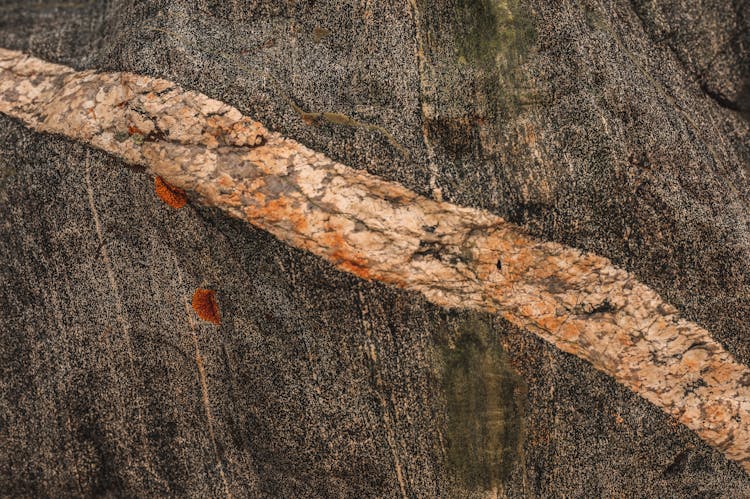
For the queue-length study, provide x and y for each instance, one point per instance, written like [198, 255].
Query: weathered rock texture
[457, 257]
[572, 120]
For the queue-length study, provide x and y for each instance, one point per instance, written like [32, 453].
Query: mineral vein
[375, 229]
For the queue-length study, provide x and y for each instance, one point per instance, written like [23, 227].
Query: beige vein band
[455, 256]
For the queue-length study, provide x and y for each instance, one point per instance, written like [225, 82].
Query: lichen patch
[171, 195]
[205, 305]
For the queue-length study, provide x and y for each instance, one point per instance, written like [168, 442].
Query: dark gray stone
[600, 125]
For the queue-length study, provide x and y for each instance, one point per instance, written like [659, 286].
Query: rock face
[608, 128]
[457, 257]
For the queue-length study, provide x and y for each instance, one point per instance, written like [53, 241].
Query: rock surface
[579, 122]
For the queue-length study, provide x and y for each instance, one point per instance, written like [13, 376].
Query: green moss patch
[484, 402]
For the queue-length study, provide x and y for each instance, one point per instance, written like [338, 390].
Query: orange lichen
[173, 196]
[205, 305]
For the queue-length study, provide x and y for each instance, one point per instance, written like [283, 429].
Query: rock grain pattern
[378, 230]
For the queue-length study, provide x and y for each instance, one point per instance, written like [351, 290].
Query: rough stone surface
[378, 230]
[621, 153]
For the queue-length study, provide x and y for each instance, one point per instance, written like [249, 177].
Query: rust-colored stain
[277, 210]
[342, 255]
[205, 305]
[358, 270]
[173, 196]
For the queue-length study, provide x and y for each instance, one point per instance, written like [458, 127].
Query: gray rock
[615, 128]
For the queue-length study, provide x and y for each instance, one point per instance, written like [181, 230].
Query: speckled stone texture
[617, 150]
[456, 257]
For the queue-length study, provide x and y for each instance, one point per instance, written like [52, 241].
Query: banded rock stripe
[455, 256]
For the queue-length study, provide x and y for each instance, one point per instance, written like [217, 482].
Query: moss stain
[485, 404]
[491, 28]
[478, 53]
[496, 36]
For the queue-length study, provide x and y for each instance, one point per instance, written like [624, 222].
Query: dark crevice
[720, 98]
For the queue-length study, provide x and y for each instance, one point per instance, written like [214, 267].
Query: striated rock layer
[455, 256]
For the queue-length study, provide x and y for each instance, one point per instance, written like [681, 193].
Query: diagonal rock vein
[375, 229]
